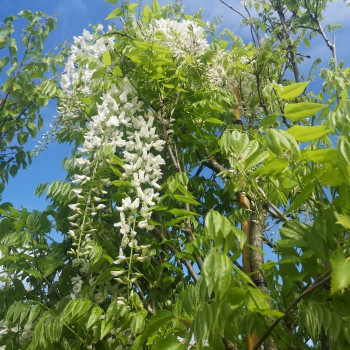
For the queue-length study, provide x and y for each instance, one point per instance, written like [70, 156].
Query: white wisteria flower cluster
[187, 39]
[183, 38]
[78, 79]
[122, 127]
[84, 60]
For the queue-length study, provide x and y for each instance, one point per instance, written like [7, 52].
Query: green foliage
[25, 86]
[186, 287]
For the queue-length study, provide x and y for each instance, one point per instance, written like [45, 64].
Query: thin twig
[183, 260]
[149, 307]
[287, 35]
[274, 207]
[244, 17]
[318, 281]
[188, 233]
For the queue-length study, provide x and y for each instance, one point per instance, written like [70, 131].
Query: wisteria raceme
[81, 64]
[75, 79]
[183, 38]
[126, 128]
[188, 39]
[120, 126]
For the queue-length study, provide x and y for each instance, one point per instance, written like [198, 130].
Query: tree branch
[286, 32]
[252, 28]
[183, 260]
[274, 207]
[318, 281]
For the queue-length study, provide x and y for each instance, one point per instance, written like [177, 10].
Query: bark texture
[258, 217]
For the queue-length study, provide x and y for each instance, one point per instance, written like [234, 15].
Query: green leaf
[332, 178]
[235, 142]
[4, 61]
[240, 235]
[132, 7]
[27, 14]
[34, 312]
[217, 226]
[186, 199]
[251, 148]
[112, 1]
[75, 309]
[115, 13]
[320, 155]
[117, 160]
[340, 271]
[117, 71]
[146, 15]
[13, 170]
[202, 324]
[32, 129]
[48, 88]
[161, 318]
[34, 273]
[99, 73]
[18, 310]
[308, 133]
[143, 45]
[343, 151]
[214, 121]
[119, 183]
[13, 46]
[275, 166]
[256, 158]
[292, 91]
[116, 171]
[256, 300]
[169, 343]
[107, 151]
[105, 328]
[51, 23]
[217, 270]
[299, 111]
[276, 142]
[344, 220]
[301, 197]
[155, 7]
[175, 221]
[106, 58]
[182, 212]
[22, 138]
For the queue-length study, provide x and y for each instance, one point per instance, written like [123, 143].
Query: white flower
[73, 217]
[117, 273]
[143, 224]
[74, 207]
[141, 258]
[183, 38]
[124, 125]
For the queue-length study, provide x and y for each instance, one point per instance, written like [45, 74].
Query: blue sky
[74, 16]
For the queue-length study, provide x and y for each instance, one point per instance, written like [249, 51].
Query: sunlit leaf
[340, 271]
[302, 110]
[292, 91]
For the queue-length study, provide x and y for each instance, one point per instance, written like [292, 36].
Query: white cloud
[337, 13]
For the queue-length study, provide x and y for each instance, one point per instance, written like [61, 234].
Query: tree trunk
[257, 259]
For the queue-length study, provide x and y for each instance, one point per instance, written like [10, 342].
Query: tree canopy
[206, 204]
